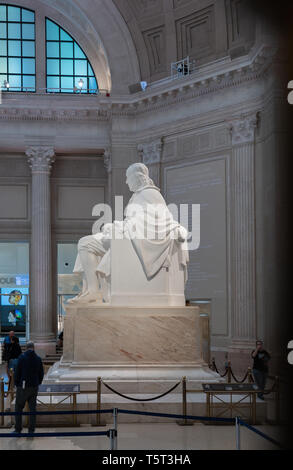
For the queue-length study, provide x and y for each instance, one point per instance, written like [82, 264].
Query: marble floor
[148, 437]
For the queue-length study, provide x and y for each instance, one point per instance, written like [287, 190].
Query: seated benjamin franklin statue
[149, 226]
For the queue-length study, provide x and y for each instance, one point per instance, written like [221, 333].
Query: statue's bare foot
[74, 299]
[90, 297]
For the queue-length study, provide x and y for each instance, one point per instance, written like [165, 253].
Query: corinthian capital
[40, 158]
[150, 152]
[243, 129]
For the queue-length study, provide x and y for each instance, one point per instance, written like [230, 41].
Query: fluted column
[40, 159]
[151, 154]
[243, 231]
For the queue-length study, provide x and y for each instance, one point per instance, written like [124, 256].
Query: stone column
[243, 256]
[108, 167]
[40, 159]
[151, 154]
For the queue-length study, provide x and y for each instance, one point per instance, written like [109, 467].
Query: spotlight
[6, 84]
[80, 83]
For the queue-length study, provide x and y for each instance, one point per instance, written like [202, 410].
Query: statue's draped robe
[152, 230]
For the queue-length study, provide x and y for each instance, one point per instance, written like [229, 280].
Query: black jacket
[29, 369]
[14, 351]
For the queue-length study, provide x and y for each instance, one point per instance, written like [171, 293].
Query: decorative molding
[45, 114]
[155, 42]
[108, 160]
[40, 158]
[243, 129]
[196, 34]
[151, 152]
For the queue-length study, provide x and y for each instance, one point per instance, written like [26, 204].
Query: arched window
[17, 49]
[68, 69]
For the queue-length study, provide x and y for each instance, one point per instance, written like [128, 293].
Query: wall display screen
[13, 309]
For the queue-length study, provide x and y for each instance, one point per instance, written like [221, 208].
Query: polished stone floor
[148, 437]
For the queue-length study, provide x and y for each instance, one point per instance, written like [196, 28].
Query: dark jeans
[260, 378]
[24, 395]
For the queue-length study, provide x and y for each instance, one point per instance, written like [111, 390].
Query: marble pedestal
[131, 344]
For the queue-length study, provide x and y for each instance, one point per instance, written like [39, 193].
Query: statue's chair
[130, 286]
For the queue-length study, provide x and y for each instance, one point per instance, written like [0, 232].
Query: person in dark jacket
[6, 346]
[28, 376]
[13, 353]
[260, 367]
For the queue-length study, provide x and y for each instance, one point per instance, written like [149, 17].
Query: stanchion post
[278, 401]
[250, 376]
[74, 416]
[229, 372]
[2, 398]
[115, 417]
[184, 422]
[99, 385]
[112, 438]
[237, 429]
[184, 405]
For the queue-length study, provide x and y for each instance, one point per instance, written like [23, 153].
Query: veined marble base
[131, 344]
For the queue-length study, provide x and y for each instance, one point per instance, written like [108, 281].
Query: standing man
[28, 376]
[260, 367]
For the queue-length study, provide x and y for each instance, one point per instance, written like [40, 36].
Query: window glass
[67, 67]
[29, 81]
[53, 67]
[66, 59]
[14, 30]
[13, 14]
[14, 65]
[67, 49]
[28, 66]
[3, 13]
[14, 48]
[3, 47]
[28, 48]
[28, 31]
[17, 48]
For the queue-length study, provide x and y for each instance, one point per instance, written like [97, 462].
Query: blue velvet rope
[31, 413]
[168, 415]
[56, 434]
[265, 436]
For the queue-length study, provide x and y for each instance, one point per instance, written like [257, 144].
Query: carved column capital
[151, 152]
[243, 129]
[40, 158]
[108, 160]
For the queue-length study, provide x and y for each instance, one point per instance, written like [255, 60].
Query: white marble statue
[153, 232]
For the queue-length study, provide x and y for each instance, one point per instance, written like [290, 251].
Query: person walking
[260, 367]
[28, 376]
[13, 354]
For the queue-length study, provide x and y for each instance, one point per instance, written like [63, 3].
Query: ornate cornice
[40, 158]
[209, 79]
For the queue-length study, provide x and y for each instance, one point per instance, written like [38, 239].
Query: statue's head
[137, 177]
